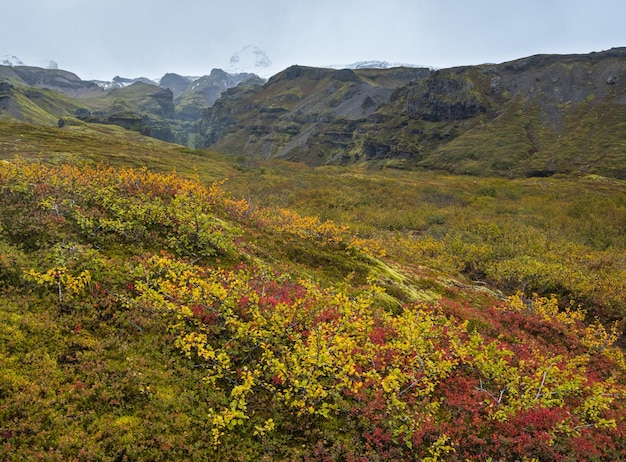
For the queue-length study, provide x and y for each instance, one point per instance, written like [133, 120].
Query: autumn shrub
[148, 316]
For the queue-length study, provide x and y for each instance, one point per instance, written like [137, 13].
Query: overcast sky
[132, 38]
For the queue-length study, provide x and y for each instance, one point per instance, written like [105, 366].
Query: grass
[41, 106]
[96, 143]
[177, 323]
[510, 234]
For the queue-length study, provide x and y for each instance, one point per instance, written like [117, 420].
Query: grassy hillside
[43, 96]
[587, 140]
[434, 318]
[561, 236]
[34, 105]
[302, 113]
[537, 116]
[96, 143]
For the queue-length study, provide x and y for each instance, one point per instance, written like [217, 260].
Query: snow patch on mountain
[122, 82]
[373, 64]
[50, 64]
[250, 59]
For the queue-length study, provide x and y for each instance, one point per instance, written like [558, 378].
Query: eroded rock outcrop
[534, 116]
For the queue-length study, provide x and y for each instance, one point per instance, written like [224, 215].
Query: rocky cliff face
[442, 98]
[32, 104]
[204, 91]
[140, 107]
[534, 116]
[150, 98]
[525, 117]
[176, 83]
[302, 112]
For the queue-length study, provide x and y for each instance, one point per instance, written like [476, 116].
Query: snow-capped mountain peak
[250, 59]
[50, 64]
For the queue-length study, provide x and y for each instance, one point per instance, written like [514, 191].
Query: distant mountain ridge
[535, 116]
[167, 109]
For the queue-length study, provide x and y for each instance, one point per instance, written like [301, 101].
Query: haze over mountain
[251, 59]
[193, 37]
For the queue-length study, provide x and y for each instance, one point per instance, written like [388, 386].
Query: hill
[51, 79]
[204, 91]
[34, 105]
[301, 113]
[535, 116]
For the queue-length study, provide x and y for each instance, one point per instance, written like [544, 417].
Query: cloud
[151, 37]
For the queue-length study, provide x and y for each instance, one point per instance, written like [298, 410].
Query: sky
[133, 38]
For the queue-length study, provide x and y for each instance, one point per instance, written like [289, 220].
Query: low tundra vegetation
[149, 316]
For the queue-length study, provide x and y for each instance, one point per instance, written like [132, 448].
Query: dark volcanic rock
[374, 150]
[150, 98]
[177, 83]
[301, 112]
[5, 87]
[217, 120]
[56, 79]
[442, 98]
[206, 90]
[510, 118]
[300, 72]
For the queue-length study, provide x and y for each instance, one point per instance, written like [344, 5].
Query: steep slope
[534, 116]
[44, 96]
[57, 79]
[176, 83]
[8, 75]
[203, 92]
[141, 107]
[33, 104]
[301, 113]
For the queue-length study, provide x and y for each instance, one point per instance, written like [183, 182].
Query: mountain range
[167, 109]
[535, 116]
